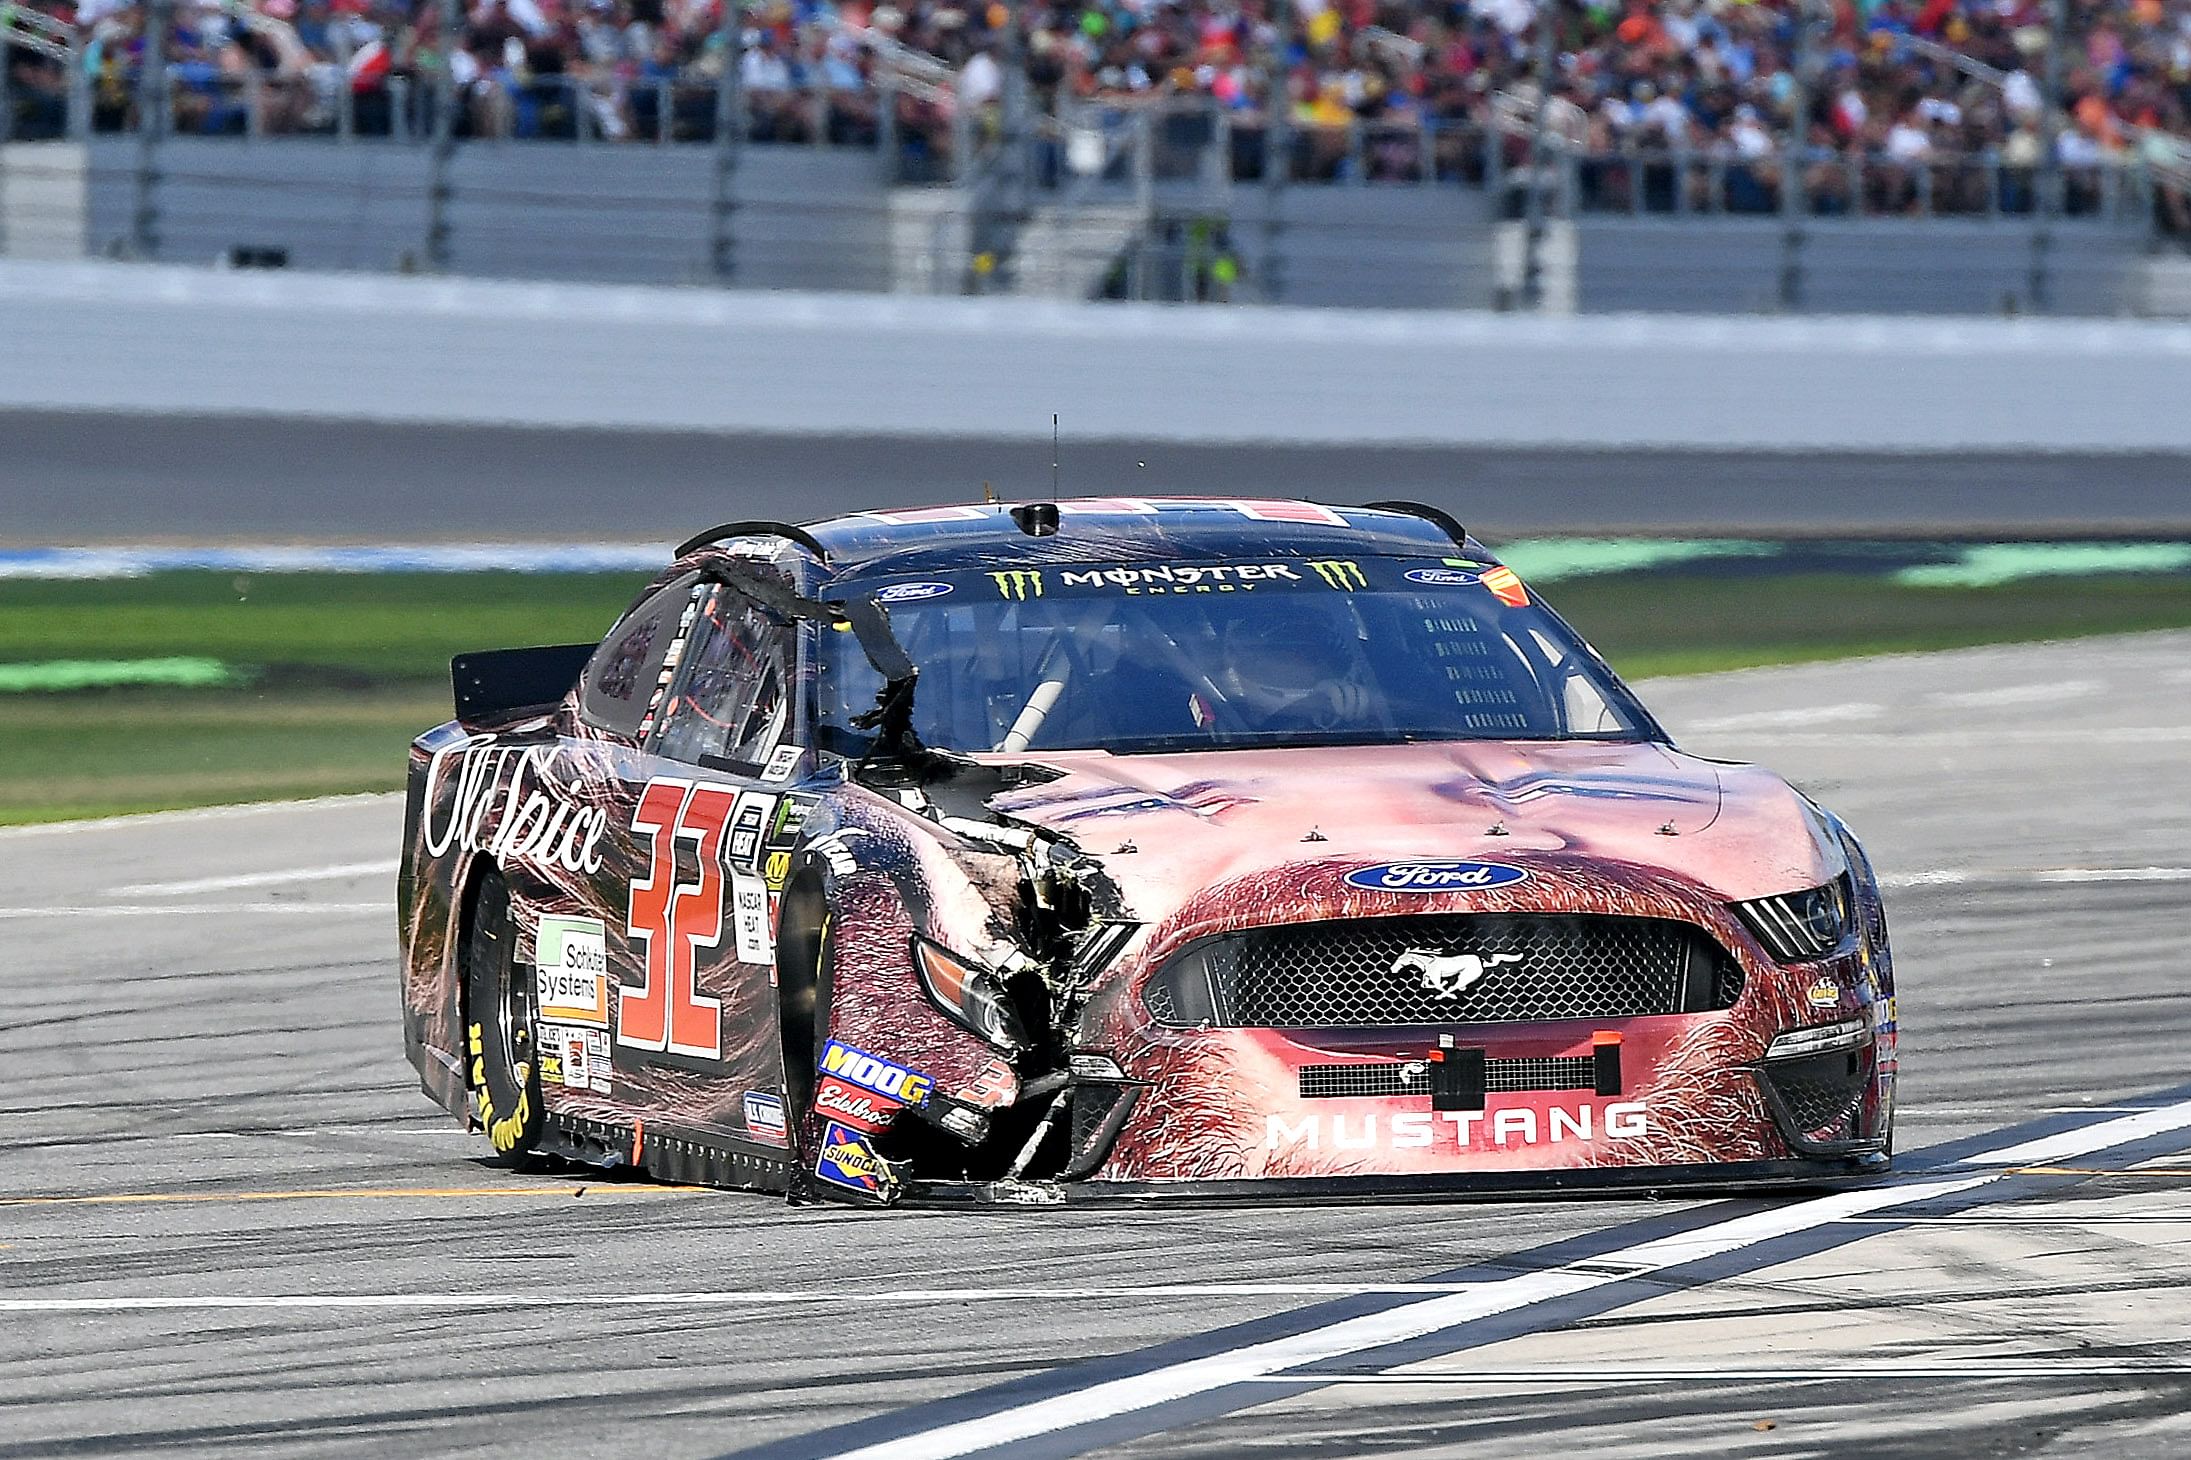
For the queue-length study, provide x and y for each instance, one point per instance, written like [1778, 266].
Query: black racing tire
[804, 1011]
[503, 1071]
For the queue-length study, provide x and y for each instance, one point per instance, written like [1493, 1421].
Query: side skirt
[669, 1154]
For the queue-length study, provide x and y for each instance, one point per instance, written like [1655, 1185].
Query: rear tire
[503, 1071]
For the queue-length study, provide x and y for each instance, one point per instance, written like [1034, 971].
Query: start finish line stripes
[1263, 1362]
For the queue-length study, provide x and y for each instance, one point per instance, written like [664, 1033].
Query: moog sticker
[873, 1072]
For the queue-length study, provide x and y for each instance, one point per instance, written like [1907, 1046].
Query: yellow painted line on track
[359, 1193]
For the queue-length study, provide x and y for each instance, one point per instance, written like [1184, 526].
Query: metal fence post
[152, 111]
[729, 135]
[1533, 239]
[1794, 148]
[442, 162]
[2049, 201]
[886, 126]
[79, 94]
[1144, 161]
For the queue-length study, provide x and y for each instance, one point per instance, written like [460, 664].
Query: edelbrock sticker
[1435, 876]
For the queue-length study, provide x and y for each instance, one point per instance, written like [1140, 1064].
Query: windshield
[1169, 656]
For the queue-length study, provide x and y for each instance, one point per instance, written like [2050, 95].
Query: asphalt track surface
[92, 477]
[229, 1222]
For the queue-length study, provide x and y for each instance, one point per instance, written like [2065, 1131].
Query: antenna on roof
[1053, 456]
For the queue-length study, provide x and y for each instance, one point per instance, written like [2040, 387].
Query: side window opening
[734, 699]
[622, 679]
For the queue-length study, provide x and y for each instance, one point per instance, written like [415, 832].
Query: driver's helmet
[1292, 657]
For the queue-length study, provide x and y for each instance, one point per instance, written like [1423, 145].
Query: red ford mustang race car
[1125, 847]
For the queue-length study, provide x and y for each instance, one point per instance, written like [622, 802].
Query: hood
[1166, 826]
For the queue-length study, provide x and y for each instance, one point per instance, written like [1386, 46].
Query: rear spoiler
[495, 682]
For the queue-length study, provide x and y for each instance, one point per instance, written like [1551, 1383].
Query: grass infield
[329, 675]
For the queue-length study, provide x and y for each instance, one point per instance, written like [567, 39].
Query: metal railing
[925, 137]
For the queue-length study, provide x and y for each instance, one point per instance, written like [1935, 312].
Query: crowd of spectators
[1702, 77]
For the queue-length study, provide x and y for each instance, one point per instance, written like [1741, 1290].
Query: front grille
[1819, 1091]
[1468, 968]
[1401, 1077]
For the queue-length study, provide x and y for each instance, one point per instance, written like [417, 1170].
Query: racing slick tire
[802, 1005]
[503, 1071]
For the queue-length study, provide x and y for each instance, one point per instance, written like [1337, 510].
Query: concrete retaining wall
[169, 339]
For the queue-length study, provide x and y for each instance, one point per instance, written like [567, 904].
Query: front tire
[504, 1071]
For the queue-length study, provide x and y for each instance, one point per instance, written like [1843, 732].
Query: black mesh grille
[1400, 1077]
[1090, 1104]
[1479, 968]
[1819, 1091]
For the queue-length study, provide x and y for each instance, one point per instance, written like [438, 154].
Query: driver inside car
[1292, 663]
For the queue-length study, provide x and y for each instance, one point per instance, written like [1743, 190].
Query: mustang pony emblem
[1448, 975]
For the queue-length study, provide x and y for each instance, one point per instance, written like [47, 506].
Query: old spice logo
[529, 824]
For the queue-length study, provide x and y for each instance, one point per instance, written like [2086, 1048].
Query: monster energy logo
[1338, 574]
[1018, 583]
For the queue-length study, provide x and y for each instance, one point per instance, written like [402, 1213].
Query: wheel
[498, 999]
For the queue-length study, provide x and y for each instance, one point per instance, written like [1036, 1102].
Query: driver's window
[733, 701]
[625, 674]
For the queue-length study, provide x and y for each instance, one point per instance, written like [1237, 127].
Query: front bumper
[1692, 1181]
[1348, 1110]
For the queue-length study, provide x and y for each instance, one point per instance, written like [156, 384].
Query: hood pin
[1125, 849]
[1497, 828]
[1315, 836]
[1667, 829]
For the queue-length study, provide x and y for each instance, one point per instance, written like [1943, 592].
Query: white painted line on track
[2078, 1218]
[2115, 874]
[1771, 719]
[2038, 1367]
[2010, 876]
[1972, 739]
[192, 814]
[727, 1299]
[2084, 1140]
[2012, 694]
[236, 881]
[1503, 1295]
[162, 910]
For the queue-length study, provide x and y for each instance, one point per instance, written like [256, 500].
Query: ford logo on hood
[1434, 876]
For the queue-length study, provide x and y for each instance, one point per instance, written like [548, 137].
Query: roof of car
[1111, 529]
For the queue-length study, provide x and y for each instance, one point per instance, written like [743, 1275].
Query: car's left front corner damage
[962, 948]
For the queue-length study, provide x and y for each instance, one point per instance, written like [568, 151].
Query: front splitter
[1689, 1182]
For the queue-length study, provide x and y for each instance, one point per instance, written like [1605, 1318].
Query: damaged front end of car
[952, 953]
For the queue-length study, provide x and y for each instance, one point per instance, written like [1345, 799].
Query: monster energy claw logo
[1338, 574]
[1018, 583]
